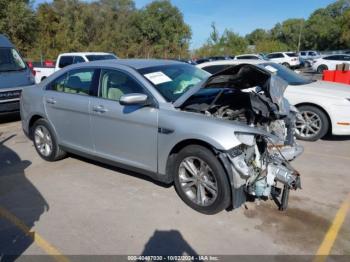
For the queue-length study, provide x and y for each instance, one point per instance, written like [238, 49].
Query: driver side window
[114, 84]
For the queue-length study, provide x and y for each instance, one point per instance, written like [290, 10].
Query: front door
[125, 134]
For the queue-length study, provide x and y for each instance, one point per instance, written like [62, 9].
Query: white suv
[288, 59]
[329, 62]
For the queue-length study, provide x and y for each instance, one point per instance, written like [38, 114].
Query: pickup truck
[67, 59]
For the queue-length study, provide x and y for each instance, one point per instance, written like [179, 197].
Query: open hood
[241, 77]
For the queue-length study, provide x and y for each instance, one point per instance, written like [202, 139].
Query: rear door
[67, 100]
[125, 134]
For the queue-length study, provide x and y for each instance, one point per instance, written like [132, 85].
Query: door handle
[99, 109]
[51, 101]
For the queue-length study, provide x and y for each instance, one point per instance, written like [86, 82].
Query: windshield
[286, 74]
[10, 60]
[172, 81]
[100, 57]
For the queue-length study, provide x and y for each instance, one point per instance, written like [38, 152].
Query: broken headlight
[246, 138]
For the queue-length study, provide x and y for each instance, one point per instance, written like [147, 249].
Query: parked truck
[14, 76]
[67, 59]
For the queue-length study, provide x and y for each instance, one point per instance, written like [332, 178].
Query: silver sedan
[174, 122]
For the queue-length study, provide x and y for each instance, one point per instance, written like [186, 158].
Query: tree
[257, 36]
[288, 32]
[345, 28]
[18, 22]
[270, 45]
[163, 30]
[323, 30]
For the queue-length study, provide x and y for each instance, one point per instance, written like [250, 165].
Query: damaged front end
[258, 168]
[257, 172]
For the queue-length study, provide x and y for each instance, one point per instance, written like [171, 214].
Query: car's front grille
[11, 94]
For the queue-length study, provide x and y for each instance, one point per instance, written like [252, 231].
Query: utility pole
[301, 29]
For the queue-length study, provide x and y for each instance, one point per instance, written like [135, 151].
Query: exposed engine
[259, 170]
[254, 97]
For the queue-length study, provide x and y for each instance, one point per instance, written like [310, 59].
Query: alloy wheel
[309, 124]
[198, 181]
[43, 140]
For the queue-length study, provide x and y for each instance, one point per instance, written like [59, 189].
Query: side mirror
[134, 99]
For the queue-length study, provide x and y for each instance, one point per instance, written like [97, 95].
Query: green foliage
[257, 35]
[270, 45]
[158, 30]
[288, 32]
[17, 21]
[228, 43]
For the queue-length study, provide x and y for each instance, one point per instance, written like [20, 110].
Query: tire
[45, 141]
[316, 118]
[321, 68]
[213, 201]
[286, 65]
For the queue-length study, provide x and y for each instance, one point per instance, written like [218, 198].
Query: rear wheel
[200, 180]
[286, 65]
[45, 141]
[312, 125]
[321, 68]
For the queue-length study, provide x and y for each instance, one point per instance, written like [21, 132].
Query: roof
[5, 42]
[86, 53]
[232, 62]
[136, 63]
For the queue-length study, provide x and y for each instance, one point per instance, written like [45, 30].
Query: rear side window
[277, 55]
[74, 82]
[303, 53]
[215, 68]
[65, 61]
[333, 57]
[114, 84]
[292, 54]
[247, 57]
[78, 59]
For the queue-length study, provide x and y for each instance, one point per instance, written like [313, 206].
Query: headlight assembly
[246, 138]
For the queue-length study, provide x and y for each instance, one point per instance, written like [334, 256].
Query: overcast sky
[242, 16]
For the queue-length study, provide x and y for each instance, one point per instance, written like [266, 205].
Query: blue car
[14, 75]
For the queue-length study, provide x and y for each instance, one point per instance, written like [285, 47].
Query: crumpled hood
[244, 76]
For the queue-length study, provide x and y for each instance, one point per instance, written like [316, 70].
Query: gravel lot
[78, 207]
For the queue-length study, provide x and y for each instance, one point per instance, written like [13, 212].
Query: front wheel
[312, 125]
[200, 180]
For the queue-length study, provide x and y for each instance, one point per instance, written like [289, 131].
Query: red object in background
[342, 77]
[337, 76]
[30, 64]
[31, 67]
[49, 63]
[328, 75]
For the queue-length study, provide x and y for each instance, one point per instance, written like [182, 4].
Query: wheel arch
[320, 108]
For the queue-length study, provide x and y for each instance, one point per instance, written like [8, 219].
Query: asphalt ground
[79, 207]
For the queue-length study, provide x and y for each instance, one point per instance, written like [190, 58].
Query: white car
[67, 59]
[324, 106]
[288, 59]
[329, 62]
[249, 56]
